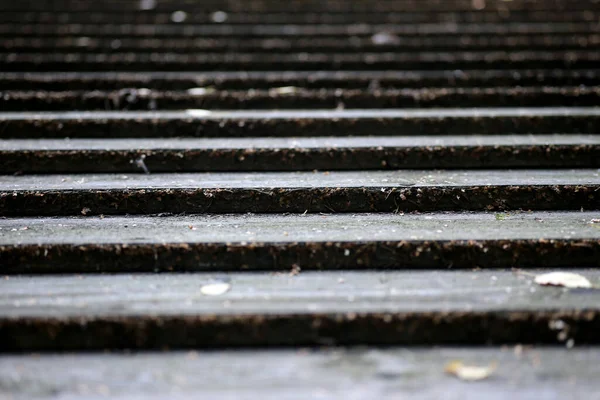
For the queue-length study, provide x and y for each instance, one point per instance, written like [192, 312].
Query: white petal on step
[565, 279]
[469, 372]
[215, 289]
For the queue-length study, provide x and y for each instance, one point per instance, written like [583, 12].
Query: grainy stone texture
[276, 242]
[282, 98]
[374, 191]
[290, 123]
[47, 156]
[232, 80]
[154, 311]
[523, 373]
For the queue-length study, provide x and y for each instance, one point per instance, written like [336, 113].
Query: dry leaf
[284, 90]
[469, 372]
[295, 270]
[215, 289]
[383, 38]
[198, 113]
[565, 279]
[201, 91]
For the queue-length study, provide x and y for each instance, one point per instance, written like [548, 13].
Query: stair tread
[522, 373]
[276, 241]
[259, 309]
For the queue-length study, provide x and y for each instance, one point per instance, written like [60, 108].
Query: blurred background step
[301, 5]
[48, 156]
[291, 123]
[246, 31]
[231, 80]
[293, 97]
[329, 17]
[212, 61]
[377, 43]
[522, 372]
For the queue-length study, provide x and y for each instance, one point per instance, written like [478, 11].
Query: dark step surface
[383, 373]
[155, 311]
[299, 98]
[206, 61]
[276, 242]
[379, 42]
[45, 156]
[289, 30]
[350, 49]
[299, 5]
[290, 123]
[302, 79]
[364, 191]
[332, 17]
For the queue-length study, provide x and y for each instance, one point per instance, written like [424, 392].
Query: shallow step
[156, 311]
[207, 61]
[522, 372]
[294, 97]
[45, 156]
[297, 5]
[276, 192]
[346, 16]
[286, 123]
[379, 42]
[291, 30]
[301, 79]
[275, 242]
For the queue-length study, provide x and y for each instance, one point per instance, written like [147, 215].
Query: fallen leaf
[198, 113]
[201, 91]
[284, 90]
[383, 38]
[469, 372]
[215, 289]
[295, 270]
[500, 217]
[564, 279]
